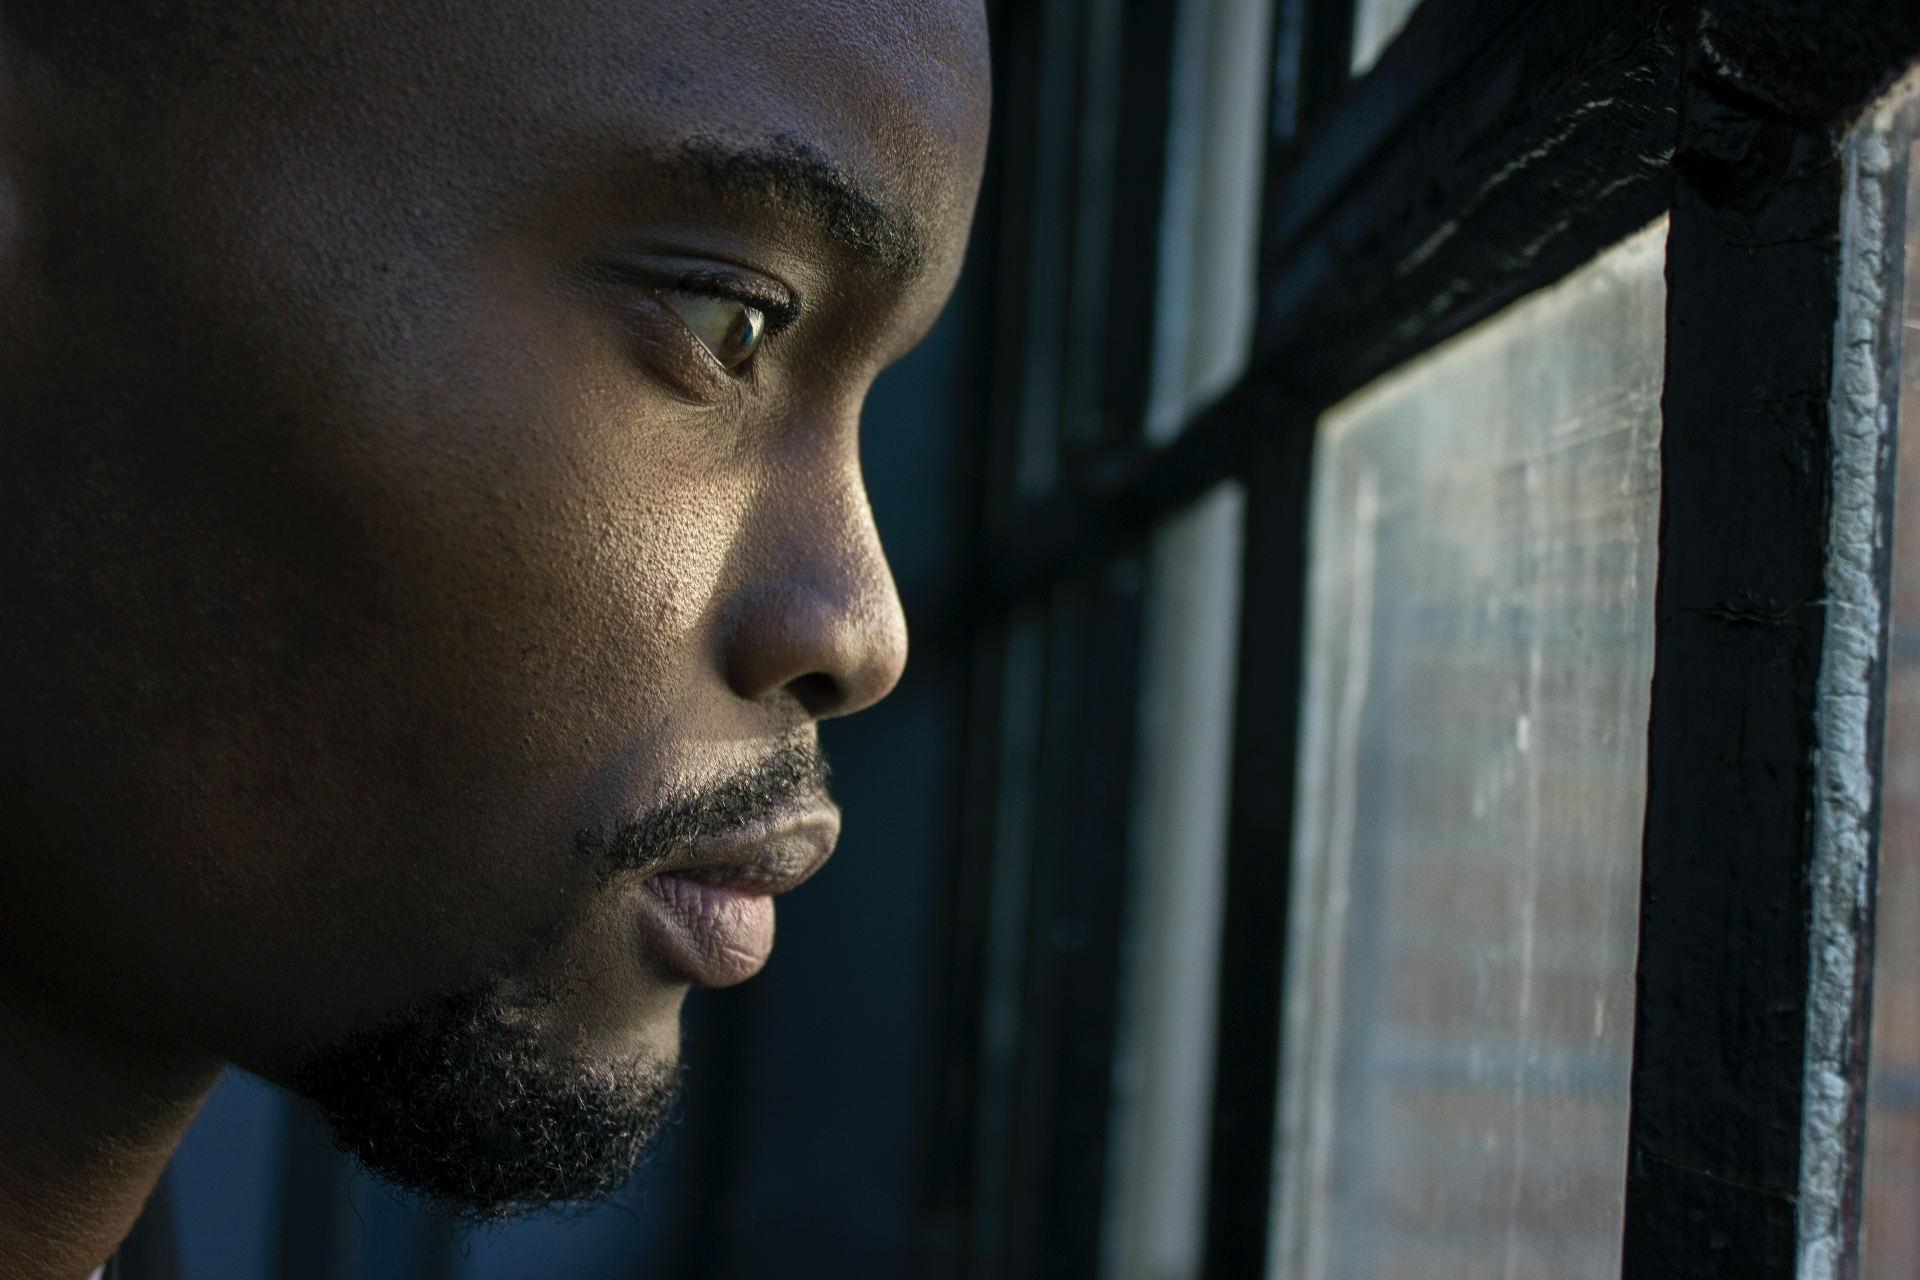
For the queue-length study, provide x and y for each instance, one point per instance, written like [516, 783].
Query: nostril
[818, 692]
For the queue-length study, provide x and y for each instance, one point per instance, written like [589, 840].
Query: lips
[709, 915]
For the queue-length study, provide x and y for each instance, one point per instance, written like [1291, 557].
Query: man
[430, 532]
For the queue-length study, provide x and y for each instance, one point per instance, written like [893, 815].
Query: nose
[817, 615]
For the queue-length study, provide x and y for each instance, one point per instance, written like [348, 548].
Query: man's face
[419, 579]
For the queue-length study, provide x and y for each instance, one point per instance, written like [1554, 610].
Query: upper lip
[770, 855]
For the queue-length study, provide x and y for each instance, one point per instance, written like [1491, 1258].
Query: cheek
[629, 596]
[590, 522]
[565, 559]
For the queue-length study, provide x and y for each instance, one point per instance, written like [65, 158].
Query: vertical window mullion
[1310, 53]
[1009, 889]
[1259, 841]
[1326, 58]
[1075, 930]
[1720, 1031]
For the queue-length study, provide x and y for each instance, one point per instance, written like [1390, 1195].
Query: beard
[460, 1102]
[463, 1105]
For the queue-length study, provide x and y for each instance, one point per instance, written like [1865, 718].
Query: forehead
[894, 94]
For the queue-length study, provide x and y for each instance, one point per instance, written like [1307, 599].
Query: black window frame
[1496, 145]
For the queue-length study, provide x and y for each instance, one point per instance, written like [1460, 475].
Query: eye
[727, 327]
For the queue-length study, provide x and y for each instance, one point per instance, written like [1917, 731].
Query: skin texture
[369, 530]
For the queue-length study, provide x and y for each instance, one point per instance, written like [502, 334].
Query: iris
[727, 327]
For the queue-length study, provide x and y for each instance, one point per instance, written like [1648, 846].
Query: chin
[463, 1104]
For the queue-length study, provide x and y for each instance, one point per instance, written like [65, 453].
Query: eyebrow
[794, 175]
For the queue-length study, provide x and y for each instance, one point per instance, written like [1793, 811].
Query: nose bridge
[817, 614]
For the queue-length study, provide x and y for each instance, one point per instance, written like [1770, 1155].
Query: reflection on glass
[1375, 24]
[1467, 843]
[1890, 1234]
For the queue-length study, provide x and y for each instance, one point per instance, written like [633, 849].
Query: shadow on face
[430, 459]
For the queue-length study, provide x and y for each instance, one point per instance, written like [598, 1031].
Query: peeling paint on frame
[1852, 686]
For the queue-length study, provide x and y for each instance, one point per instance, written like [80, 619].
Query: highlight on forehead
[793, 174]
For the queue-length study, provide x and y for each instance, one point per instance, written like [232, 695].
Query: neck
[86, 1126]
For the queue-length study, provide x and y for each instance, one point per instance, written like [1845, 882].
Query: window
[1540, 943]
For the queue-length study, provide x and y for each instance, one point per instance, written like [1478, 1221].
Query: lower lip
[711, 934]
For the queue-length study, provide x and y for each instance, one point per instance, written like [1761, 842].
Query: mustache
[796, 771]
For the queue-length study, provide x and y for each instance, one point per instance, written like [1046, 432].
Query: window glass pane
[1210, 209]
[1375, 24]
[1890, 1235]
[1164, 1056]
[1467, 843]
